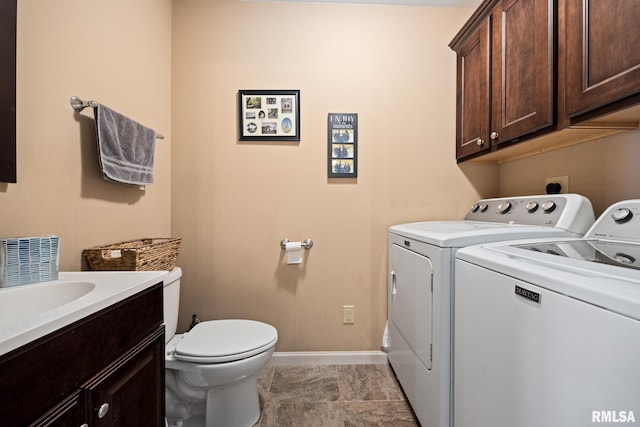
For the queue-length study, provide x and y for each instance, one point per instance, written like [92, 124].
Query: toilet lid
[226, 340]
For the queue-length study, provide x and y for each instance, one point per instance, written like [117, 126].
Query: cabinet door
[603, 58]
[522, 40]
[66, 414]
[472, 115]
[131, 391]
[8, 91]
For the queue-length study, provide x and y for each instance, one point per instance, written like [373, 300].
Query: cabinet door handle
[494, 135]
[480, 141]
[102, 412]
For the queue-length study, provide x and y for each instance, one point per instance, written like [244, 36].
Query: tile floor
[331, 396]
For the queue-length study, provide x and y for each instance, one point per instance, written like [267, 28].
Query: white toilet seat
[219, 341]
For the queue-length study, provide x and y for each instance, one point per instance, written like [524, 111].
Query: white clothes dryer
[421, 260]
[547, 331]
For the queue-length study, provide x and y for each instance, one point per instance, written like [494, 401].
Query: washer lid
[225, 340]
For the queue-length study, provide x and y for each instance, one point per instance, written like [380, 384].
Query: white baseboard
[328, 358]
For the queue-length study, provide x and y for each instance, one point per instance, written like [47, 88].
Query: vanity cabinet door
[66, 414]
[41, 375]
[131, 391]
[603, 59]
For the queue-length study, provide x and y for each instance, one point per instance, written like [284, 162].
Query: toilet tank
[171, 302]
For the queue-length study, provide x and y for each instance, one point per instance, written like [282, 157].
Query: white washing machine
[421, 259]
[547, 332]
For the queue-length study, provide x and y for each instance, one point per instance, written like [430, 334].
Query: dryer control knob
[504, 207]
[549, 206]
[475, 207]
[484, 207]
[532, 207]
[622, 215]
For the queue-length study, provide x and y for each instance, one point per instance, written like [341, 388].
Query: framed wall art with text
[342, 159]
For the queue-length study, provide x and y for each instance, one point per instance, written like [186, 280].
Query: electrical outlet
[348, 314]
[562, 180]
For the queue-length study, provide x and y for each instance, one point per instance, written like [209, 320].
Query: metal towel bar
[78, 105]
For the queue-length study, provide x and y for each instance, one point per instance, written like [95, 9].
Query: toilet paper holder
[307, 244]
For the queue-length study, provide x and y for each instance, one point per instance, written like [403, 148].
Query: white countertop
[38, 317]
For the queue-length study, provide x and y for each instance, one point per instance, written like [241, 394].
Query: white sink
[29, 312]
[21, 302]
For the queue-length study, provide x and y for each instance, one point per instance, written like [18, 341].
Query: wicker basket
[137, 255]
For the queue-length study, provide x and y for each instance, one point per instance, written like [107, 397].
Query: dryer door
[411, 300]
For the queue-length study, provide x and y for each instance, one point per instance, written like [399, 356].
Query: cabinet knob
[102, 412]
[494, 135]
[480, 141]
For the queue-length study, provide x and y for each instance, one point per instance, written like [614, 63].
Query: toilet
[212, 371]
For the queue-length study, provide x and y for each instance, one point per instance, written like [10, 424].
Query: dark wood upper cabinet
[523, 39]
[505, 63]
[473, 94]
[603, 57]
[560, 72]
[8, 91]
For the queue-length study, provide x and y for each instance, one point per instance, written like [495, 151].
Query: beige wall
[118, 53]
[605, 170]
[233, 202]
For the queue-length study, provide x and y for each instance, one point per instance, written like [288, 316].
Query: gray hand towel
[125, 147]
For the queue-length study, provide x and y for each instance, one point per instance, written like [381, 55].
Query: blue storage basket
[25, 260]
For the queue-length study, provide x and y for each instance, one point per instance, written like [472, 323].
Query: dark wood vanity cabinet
[505, 62]
[105, 370]
[603, 57]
